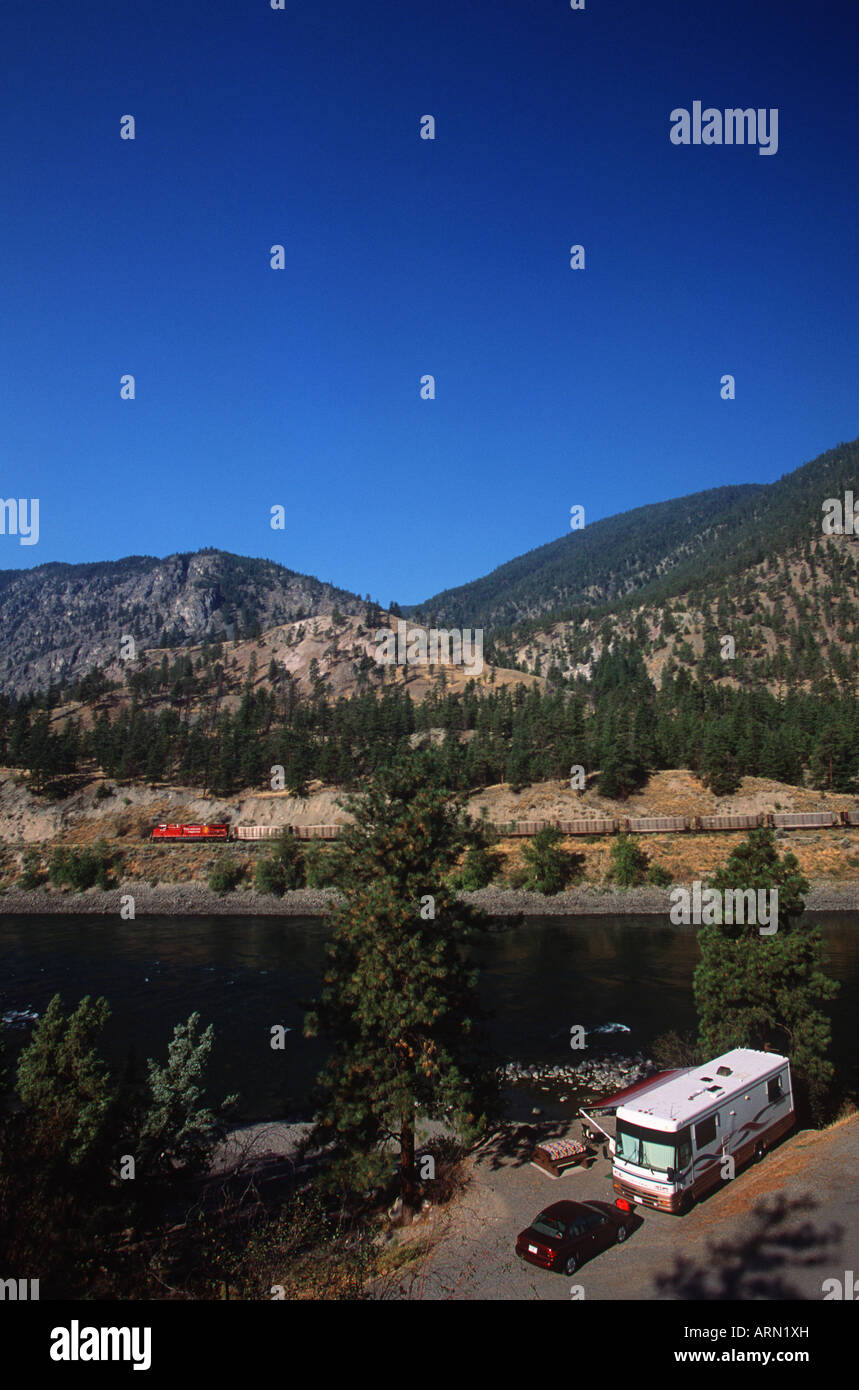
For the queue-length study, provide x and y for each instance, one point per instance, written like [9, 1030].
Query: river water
[245, 974]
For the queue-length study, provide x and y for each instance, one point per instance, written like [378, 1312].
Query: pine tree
[621, 773]
[766, 991]
[178, 1130]
[398, 998]
[65, 1085]
[719, 769]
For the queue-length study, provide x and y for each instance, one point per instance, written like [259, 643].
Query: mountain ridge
[617, 557]
[59, 620]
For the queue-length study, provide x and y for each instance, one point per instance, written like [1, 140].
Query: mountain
[58, 621]
[672, 578]
[653, 552]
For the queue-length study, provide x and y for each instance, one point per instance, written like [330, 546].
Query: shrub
[32, 873]
[83, 868]
[448, 1156]
[659, 876]
[321, 866]
[178, 1130]
[102, 792]
[480, 866]
[226, 874]
[675, 1050]
[549, 868]
[629, 862]
[283, 869]
[516, 875]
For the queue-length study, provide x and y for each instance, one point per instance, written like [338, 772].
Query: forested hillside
[617, 724]
[655, 552]
[730, 647]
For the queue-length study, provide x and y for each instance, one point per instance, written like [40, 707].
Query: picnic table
[553, 1156]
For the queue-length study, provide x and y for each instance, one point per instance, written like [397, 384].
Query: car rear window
[548, 1225]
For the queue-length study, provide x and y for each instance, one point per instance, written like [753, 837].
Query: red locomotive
[191, 832]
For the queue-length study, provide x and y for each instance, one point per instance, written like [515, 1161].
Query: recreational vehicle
[672, 1138]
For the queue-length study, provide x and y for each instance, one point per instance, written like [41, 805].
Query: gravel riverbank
[193, 899]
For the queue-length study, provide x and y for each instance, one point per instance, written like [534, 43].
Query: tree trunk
[408, 1175]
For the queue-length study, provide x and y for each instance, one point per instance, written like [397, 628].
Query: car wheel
[572, 1264]
[620, 1235]
[760, 1150]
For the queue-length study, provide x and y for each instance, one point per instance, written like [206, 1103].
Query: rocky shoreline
[194, 899]
[595, 1075]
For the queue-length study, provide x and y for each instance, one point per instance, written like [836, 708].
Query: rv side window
[705, 1132]
[774, 1090]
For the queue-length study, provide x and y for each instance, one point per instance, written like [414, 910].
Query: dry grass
[125, 819]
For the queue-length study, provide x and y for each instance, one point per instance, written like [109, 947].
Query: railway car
[584, 826]
[729, 822]
[526, 827]
[259, 832]
[850, 817]
[803, 820]
[316, 832]
[652, 825]
[190, 832]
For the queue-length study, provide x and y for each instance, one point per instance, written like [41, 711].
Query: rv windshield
[651, 1148]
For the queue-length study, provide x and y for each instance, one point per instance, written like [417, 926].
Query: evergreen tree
[719, 769]
[65, 1085]
[398, 998]
[178, 1131]
[766, 991]
[621, 773]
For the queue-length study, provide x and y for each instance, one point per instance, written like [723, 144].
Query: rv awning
[621, 1097]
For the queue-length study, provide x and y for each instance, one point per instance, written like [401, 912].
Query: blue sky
[404, 256]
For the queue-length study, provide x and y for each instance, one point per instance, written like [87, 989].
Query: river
[245, 974]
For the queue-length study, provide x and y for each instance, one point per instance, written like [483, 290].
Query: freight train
[586, 825]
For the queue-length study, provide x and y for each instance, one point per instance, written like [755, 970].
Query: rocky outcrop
[59, 621]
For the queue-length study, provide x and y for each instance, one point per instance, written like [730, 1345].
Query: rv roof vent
[714, 1088]
[706, 1078]
[723, 1071]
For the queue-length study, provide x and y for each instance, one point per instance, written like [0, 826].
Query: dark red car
[566, 1234]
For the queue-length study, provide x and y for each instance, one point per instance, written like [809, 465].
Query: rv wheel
[688, 1203]
[760, 1150]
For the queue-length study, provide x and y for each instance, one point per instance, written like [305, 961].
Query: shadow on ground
[759, 1263]
[515, 1146]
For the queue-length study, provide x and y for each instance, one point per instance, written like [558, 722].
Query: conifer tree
[719, 769]
[65, 1085]
[754, 990]
[398, 997]
[178, 1130]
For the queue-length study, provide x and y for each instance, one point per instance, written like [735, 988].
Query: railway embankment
[192, 899]
[173, 878]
